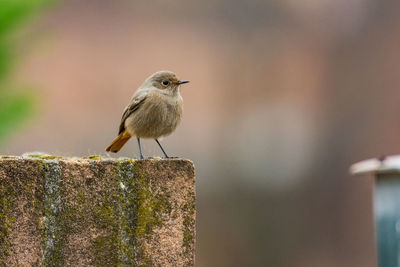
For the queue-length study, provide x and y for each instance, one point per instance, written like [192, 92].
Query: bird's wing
[135, 103]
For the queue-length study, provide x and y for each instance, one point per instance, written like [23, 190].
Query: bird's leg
[165, 154]
[140, 148]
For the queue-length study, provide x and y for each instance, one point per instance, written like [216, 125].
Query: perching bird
[154, 111]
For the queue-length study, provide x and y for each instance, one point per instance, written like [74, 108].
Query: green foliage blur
[15, 107]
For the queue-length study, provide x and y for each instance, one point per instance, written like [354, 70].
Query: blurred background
[284, 96]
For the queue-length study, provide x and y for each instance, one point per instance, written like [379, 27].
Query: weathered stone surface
[96, 211]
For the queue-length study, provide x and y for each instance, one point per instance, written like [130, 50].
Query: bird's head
[165, 81]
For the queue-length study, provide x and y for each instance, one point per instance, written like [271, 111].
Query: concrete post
[96, 211]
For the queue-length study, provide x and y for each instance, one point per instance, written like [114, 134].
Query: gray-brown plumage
[154, 111]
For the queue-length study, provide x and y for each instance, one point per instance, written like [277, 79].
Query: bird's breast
[158, 116]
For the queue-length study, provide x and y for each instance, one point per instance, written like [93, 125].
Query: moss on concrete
[6, 221]
[53, 232]
[20, 195]
[94, 157]
[105, 247]
[150, 205]
[141, 211]
[189, 210]
[127, 209]
[39, 155]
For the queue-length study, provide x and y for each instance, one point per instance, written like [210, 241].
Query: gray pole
[387, 217]
[386, 206]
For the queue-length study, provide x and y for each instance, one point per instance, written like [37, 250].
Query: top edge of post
[382, 165]
[42, 156]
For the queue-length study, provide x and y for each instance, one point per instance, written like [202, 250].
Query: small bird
[155, 110]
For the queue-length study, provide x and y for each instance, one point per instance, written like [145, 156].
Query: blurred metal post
[386, 206]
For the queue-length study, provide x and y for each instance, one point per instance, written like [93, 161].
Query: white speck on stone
[122, 185]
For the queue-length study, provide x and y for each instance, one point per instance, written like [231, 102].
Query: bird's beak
[182, 82]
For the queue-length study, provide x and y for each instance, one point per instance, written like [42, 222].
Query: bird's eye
[165, 83]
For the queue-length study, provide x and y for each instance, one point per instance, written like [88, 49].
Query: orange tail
[118, 142]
